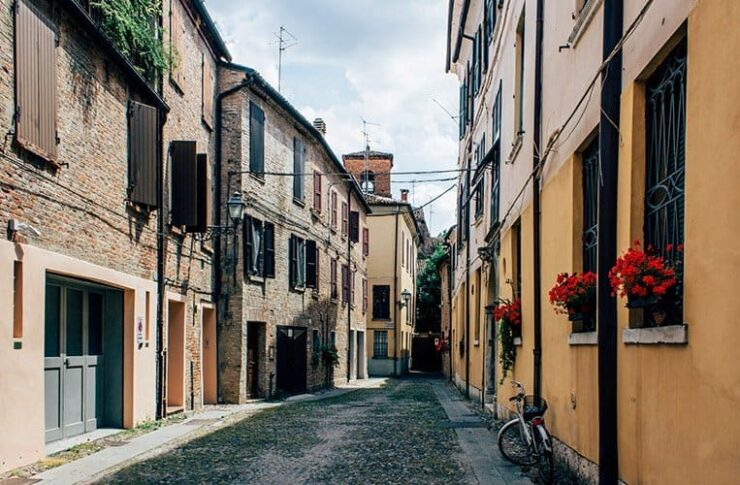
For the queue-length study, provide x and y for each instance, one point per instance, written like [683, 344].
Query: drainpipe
[351, 282]
[161, 410]
[466, 219]
[537, 266]
[218, 283]
[396, 311]
[607, 237]
[450, 275]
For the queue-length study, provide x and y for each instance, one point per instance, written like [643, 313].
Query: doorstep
[65, 444]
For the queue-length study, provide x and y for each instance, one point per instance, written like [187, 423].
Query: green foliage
[132, 26]
[508, 349]
[331, 355]
[428, 293]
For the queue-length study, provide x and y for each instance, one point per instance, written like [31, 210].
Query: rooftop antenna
[366, 135]
[452, 117]
[286, 40]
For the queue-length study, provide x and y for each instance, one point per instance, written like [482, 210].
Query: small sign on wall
[140, 331]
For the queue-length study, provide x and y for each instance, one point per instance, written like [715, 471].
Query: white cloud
[381, 60]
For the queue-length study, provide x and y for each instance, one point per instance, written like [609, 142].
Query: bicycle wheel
[545, 466]
[513, 444]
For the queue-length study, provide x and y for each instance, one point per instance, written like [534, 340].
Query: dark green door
[82, 320]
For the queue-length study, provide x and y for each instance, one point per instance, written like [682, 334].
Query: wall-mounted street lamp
[235, 206]
[405, 298]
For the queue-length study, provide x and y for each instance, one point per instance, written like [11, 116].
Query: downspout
[536, 221]
[351, 278]
[218, 283]
[396, 311]
[607, 238]
[161, 410]
[466, 219]
[450, 275]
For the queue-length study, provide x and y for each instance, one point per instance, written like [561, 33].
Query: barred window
[380, 343]
[590, 175]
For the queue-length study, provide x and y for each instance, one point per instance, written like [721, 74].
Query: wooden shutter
[298, 168]
[311, 266]
[364, 295]
[256, 139]
[333, 270]
[345, 215]
[202, 195]
[143, 154]
[177, 50]
[365, 241]
[352, 275]
[184, 170]
[248, 244]
[334, 210]
[317, 191]
[36, 82]
[354, 226]
[269, 240]
[345, 283]
[292, 261]
[207, 82]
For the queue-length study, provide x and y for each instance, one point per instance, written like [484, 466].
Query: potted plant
[508, 315]
[648, 280]
[575, 295]
[330, 355]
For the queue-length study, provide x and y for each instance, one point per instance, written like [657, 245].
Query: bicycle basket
[534, 406]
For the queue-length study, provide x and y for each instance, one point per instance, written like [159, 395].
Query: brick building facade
[286, 306]
[379, 166]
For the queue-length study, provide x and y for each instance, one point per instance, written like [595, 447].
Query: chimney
[320, 125]
[404, 195]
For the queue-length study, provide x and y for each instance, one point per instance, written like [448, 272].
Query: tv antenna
[286, 40]
[366, 136]
[452, 117]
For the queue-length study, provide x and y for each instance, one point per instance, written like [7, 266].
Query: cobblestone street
[396, 434]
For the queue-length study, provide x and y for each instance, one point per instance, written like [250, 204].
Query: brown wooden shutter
[269, 240]
[317, 191]
[345, 216]
[176, 43]
[365, 241]
[36, 82]
[311, 264]
[207, 92]
[143, 154]
[202, 195]
[184, 170]
[354, 226]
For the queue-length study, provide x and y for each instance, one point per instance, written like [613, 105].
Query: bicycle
[524, 440]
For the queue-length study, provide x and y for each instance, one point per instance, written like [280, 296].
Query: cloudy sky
[381, 60]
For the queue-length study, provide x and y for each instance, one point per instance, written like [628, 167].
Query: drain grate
[466, 424]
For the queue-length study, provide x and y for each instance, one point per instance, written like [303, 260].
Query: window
[364, 296]
[463, 115]
[184, 183]
[354, 226]
[317, 191]
[259, 248]
[17, 299]
[489, 16]
[365, 241]
[143, 154]
[479, 194]
[403, 250]
[590, 176]
[312, 265]
[334, 290]
[476, 63]
[299, 162]
[352, 276]
[476, 299]
[202, 195]
[519, 80]
[380, 344]
[666, 161]
[345, 283]
[345, 219]
[35, 82]
[381, 302]
[334, 210]
[367, 181]
[496, 159]
[256, 140]
[297, 262]
[207, 84]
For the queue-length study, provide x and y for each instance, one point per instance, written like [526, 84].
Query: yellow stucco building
[566, 165]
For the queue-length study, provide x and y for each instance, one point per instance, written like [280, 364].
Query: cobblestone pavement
[396, 434]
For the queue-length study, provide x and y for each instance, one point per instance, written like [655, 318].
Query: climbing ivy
[133, 27]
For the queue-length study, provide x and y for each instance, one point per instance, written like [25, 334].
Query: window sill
[299, 202]
[582, 21]
[298, 289]
[518, 341]
[515, 148]
[333, 301]
[316, 214]
[315, 294]
[583, 338]
[256, 279]
[671, 335]
[259, 178]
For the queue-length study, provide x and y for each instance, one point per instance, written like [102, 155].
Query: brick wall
[381, 165]
[270, 301]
